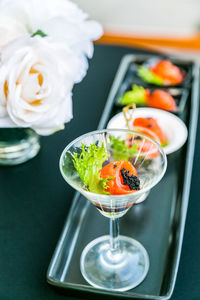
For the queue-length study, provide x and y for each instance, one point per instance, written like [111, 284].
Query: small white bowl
[174, 128]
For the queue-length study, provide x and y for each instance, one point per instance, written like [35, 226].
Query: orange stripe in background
[190, 43]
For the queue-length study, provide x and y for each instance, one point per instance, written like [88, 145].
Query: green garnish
[88, 163]
[148, 76]
[39, 32]
[166, 143]
[135, 96]
[120, 150]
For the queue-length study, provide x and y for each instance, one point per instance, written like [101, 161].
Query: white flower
[36, 79]
[37, 74]
[60, 19]
[10, 29]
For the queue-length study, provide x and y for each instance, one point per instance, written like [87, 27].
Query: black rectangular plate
[138, 60]
[180, 95]
[158, 223]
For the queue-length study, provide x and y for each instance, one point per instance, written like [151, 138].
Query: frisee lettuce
[148, 76]
[88, 164]
[135, 96]
[120, 150]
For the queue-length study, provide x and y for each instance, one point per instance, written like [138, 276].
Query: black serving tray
[178, 92]
[158, 223]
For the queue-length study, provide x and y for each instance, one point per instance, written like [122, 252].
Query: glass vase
[18, 145]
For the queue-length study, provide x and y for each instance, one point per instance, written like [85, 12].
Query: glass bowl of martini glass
[113, 169]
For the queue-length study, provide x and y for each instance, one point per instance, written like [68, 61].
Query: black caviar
[132, 181]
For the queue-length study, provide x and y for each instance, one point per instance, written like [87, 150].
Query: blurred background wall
[173, 25]
[155, 17]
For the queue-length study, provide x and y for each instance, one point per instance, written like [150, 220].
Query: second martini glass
[115, 262]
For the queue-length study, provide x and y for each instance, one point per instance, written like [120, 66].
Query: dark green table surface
[35, 200]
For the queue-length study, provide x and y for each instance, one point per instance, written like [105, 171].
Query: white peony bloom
[36, 79]
[61, 19]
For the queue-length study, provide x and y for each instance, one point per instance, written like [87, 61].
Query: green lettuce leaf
[135, 96]
[166, 143]
[148, 76]
[88, 163]
[120, 149]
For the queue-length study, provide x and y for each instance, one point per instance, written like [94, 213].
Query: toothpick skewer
[128, 111]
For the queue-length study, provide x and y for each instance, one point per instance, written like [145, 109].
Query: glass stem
[114, 234]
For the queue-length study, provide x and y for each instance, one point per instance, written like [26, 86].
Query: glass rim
[101, 131]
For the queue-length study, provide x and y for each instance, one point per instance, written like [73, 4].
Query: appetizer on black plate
[141, 96]
[161, 72]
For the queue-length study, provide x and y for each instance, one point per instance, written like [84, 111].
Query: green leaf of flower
[39, 32]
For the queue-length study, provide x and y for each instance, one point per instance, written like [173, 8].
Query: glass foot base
[17, 145]
[121, 271]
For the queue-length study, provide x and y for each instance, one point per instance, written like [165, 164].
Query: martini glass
[115, 262]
